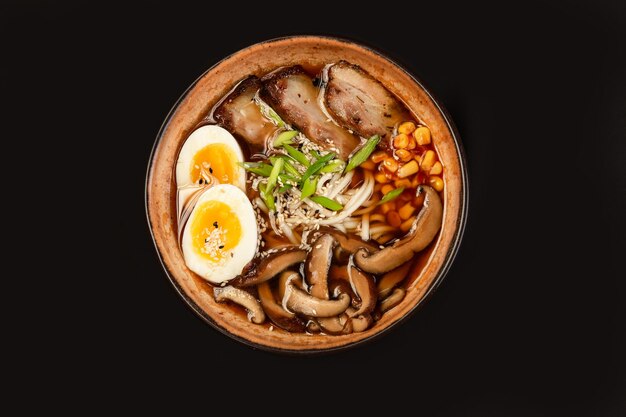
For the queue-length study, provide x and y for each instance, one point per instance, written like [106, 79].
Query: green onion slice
[284, 138]
[309, 187]
[363, 153]
[326, 202]
[391, 195]
[318, 165]
[297, 155]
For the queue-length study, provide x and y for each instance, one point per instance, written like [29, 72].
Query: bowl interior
[195, 105]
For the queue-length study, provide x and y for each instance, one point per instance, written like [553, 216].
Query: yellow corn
[387, 207]
[436, 169]
[378, 156]
[406, 211]
[418, 200]
[381, 178]
[402, 183]
[415, 181]
[428, 160]
[401, 141]
[407, 169]
[422, 135]
[393, 218]
[406, 128]
[406, 225]
[404, 155]
[405, 196]
[387, 188]
[390, 165]
[369, 165]
[436, 182]
[412, 143]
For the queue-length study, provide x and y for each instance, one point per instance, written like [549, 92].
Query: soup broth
[344, 186]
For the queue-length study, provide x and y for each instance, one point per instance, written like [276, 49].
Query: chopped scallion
[309, 187]
[363, 153]
[326, 202]
[297, 155]
[391, 195]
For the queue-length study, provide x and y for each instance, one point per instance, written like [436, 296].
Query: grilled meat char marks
[291, 93]
[359, 102]
[240, 114]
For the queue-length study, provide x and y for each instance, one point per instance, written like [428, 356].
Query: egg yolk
[215, 230]
[217, 159]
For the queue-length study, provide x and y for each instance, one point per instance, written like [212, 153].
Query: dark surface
[531, 319]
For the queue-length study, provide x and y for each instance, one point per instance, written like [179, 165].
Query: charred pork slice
[241, 115]
[359, 102]
[291, 93]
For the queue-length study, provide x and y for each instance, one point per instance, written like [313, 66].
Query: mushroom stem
[423, 231]
[393, 300]
[341, 324]
[317, 265]
[243, 298]
[276, 312]
[347, 244]
[364, 287]
[257, 272]
[361, 322]
[392, 278]
[301, 302]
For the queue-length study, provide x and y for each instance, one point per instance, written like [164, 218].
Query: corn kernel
[390, 165]
[422, 135]
[401, 141]
[404, 155]
[406, 211]
[407, 169]
[369, 165]
[406, 196]
[415, 181]
[436, 183]
[412, 143]
[381, 177]
[418, 200]
[402, 183]
[406, 225]
[393, 219]
[387, 188]
[406, 128]
[428, 160]
[387, 207]
[378, 156]
[436, 169]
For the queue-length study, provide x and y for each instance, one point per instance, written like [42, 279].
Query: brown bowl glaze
[195, 104]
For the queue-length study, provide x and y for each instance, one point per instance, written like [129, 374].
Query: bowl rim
[449, 257]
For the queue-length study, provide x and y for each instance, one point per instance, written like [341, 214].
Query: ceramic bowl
[195, 104]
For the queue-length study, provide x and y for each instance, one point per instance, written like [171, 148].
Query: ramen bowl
[193, 107]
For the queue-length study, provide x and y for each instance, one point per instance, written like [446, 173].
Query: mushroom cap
[422, 232]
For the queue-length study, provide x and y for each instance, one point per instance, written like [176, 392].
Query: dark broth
[406, 197]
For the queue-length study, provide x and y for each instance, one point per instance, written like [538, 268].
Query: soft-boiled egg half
[220, 236]
[212, 150]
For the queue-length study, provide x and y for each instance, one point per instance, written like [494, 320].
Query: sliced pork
[291, 93]
[359, 102]
[240, 114]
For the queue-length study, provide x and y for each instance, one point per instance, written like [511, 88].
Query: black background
[531, 319]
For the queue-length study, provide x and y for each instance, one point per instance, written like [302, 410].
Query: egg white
[231, 266]
[199, 139]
